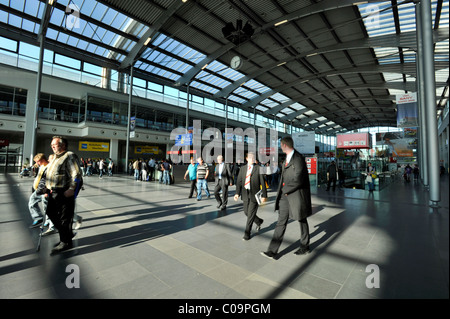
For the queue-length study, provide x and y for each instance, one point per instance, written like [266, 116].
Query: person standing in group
[136, 167]
[293, 199]
[101, 167]
[110, 167]
[222, 178]
[144, 170]
[63, 181]
[151, 169]
[202, 178]
[192, 173]
[332, 175]
[89, 167]
[166, 167]
[370, 182]
[236, 168]
[249, 182]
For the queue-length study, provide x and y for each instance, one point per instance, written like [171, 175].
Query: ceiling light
[204, 67]
[147, 41]
[281, 22]
[184, 1]
[50, 2]
[282, 63]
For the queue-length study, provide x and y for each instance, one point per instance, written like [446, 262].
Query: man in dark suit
[222, 178]
[249, 182]
[293, 199]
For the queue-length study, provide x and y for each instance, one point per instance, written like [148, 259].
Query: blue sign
[183, 140]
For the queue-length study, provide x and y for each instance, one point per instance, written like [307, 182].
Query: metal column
[130, 99]
[187, 109]
[420, 87]
[430, 103]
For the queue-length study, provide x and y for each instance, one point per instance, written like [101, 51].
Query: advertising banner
[400, 144]
[407, 110]
[354, 141]
[132, 126]
[93, 146]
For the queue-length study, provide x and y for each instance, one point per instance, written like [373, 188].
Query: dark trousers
[221, 185]
[250, 210]
[151, 173]
[331, 180]
[60, 210]
[280, 228]
[193, 188]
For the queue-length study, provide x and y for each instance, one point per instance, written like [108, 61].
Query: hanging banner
[132, 126]
[407, 110]
[183, 140]
[400, 144]
[304, 142]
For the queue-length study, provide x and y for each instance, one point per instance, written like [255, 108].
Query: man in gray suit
[222, 178]
[293, 199]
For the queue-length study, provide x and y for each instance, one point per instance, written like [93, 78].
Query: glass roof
[107, 33]
[379, 20]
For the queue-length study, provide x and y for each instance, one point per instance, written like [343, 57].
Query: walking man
[222, 178]
[293, 199]
[249, 182]
[63, 180]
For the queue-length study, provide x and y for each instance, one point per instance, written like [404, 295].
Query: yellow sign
[93, 146]
[146, 149]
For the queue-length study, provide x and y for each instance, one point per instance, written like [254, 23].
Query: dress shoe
[61, 247]
[223, 207]
[246, 238]
[303, 251]
[258, 227]
[268, 254]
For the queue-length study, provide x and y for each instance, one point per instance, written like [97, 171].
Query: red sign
[354, 141]
[311, 164]
[181, 152]
[4, 142]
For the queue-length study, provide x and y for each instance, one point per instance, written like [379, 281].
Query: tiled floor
[147, 240]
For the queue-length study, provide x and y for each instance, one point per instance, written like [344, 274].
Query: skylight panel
[257, 86]
[31, 8]
[204, 87]
[297, 106]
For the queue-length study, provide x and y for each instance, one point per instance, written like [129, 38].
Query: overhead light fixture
[282, 63]
[147, 41]
[50, 2]
[280, 23]
[204, 67]
[184, 1]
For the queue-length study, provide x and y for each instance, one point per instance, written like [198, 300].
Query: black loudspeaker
[239, 33]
